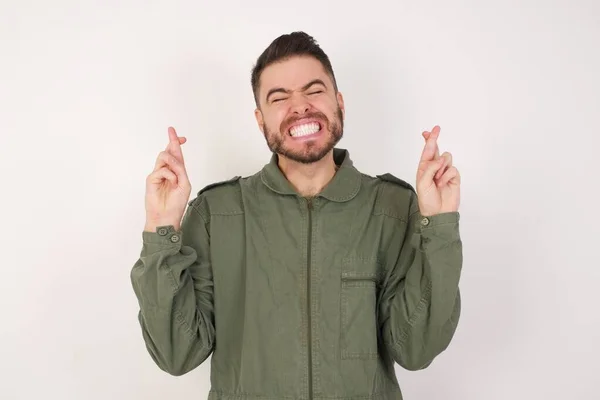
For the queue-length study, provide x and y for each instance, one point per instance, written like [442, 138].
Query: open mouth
[302, 130]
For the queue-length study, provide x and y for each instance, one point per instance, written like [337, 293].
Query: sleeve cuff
[164, 235]
[433, 221]
[436, 231]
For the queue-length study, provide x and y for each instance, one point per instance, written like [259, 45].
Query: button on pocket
[358, 313]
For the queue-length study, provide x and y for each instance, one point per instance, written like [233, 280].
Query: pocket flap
[360, 268]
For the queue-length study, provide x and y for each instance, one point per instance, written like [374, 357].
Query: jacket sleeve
[172, 280]
[420, 303]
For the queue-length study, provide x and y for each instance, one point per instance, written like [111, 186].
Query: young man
[308, 279]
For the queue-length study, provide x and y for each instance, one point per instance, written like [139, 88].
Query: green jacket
[300, 298]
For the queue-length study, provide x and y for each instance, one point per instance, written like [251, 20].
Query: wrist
[151, 226]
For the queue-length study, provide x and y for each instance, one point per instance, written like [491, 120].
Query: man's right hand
[167, 187]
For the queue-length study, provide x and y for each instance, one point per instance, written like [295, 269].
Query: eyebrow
[305, 87]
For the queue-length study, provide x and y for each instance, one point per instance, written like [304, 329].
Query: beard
[311, 152]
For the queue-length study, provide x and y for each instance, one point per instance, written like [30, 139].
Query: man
[308, 279]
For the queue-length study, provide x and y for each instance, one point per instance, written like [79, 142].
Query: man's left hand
[438, 181]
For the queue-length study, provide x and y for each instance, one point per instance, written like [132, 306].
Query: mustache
[285, 125]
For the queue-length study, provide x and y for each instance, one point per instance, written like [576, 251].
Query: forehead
[292, 73]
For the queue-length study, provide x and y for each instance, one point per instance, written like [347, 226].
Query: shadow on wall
[378, 107]
[215, 111]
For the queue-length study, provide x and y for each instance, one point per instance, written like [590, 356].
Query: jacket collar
[343, 187]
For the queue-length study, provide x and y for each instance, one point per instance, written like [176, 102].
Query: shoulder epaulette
[214, 185]
[220, 183]
[391, 178]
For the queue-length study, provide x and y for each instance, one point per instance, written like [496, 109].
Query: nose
[299, 105]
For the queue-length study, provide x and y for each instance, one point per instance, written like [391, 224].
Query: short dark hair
[286, 46]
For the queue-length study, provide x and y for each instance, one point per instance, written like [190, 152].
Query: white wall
[88, 89]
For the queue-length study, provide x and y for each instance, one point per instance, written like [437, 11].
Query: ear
[259, 119]
[340, 100]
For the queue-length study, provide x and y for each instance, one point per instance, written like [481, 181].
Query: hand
[438, 181]
[167, 187]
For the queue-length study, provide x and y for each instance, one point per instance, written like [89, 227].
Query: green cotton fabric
[301, 298]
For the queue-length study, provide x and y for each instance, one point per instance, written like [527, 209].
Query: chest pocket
[358, 313]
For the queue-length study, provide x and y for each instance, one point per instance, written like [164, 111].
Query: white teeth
[305, 129]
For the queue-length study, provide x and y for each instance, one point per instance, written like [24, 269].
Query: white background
[88, 89]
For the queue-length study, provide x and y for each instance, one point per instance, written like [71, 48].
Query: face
[299, 112]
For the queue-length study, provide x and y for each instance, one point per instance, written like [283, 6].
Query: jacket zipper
[308, 302]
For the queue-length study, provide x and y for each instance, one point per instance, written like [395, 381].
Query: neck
[308, 179]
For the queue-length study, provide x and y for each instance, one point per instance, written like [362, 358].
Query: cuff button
[175, 238]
